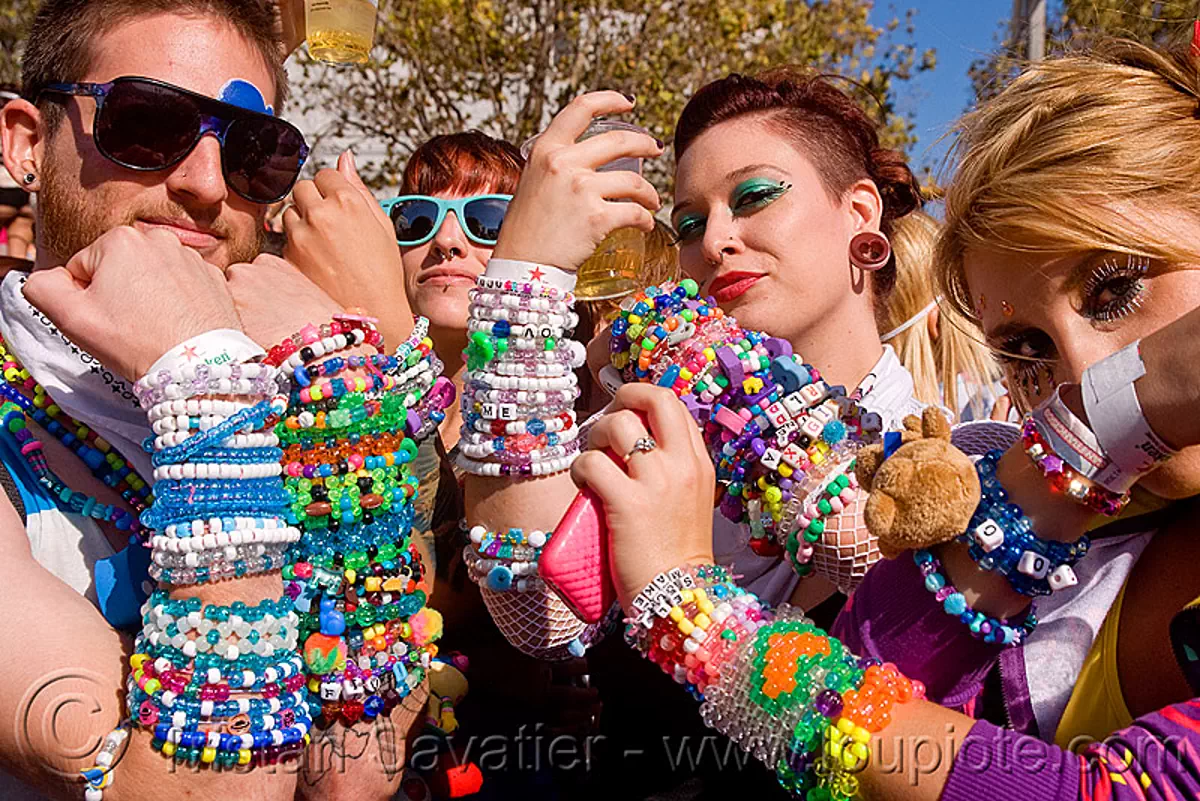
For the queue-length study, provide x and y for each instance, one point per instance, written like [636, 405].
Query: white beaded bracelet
[217, 470]
[224, 539]
[494, 469]
[194, 408]
[255, 440]
[325, 347]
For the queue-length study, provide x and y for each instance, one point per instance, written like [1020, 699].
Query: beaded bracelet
[221, 560]
[224, 539]
[100, 776]
[545, 468]
[303, 346]
[192, 407]
[760, 677]
[530, 289]
[518, 573]
[519, 371]
[14, 424]
[536, 426]
[330, 368]
[774, 429]
[981, 626]
[698, 617]
[258, 439]
[190, 381]
[346, 462]
[790, 676]
[486, 297]
[420, 334]
[533, 399]
[220, 571]
[337, 387]
[232, 527]
[1001, 539]
[1065, 479]
[172, 619]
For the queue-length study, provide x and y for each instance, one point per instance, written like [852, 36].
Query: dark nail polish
[630, 97]
[660, 143]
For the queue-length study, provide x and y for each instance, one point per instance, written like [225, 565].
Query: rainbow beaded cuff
[797, 700]
[356, 579]
[779, 436]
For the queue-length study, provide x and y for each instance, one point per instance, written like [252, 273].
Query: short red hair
[825, 123]
[470, 163]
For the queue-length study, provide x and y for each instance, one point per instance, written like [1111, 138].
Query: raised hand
[341, 239]
[564, 208]
[130, 296]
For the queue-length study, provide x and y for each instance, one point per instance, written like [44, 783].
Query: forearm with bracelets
[783, 442]
[217, 684]
[1070, 471]
[356, 578]
[774, 683]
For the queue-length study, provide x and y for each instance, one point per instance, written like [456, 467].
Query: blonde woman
[945, 353]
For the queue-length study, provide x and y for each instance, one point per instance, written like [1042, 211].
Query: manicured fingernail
[659, 142]
[631, 98]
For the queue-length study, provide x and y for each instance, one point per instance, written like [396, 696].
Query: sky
[960, 31]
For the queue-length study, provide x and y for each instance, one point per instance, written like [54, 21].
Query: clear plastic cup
[613, 270]
[340, 31]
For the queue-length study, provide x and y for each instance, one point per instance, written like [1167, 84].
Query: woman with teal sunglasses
[453, 198]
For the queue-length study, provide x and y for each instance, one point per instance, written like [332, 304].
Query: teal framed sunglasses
[417, 218]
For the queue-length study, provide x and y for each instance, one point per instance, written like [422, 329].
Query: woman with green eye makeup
[784, 206]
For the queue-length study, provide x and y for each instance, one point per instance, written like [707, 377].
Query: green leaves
[1157, 22]
[506, 66]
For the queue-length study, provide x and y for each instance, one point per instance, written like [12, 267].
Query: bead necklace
[15, 425]
[101, 458]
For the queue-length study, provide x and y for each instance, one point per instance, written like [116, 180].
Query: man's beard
[71, 221]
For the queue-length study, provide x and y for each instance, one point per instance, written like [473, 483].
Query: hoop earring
[870, 251]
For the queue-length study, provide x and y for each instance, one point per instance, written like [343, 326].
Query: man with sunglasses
[146, 130]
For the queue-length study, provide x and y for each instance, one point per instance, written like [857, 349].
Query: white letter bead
[794, 404]
[812, 427]
[989, 535]
[1033, 565]
[795, 456]
[777, 414]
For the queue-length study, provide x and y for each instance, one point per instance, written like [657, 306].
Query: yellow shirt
[1097, 706]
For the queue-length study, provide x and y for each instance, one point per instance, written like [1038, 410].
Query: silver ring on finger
[643, 445]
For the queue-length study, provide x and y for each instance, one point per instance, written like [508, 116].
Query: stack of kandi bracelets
[356, 578]
[783, 441]
[780, 687]
[518, 402]
[217, 685]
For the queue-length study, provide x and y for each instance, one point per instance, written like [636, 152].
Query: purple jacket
[892, 617]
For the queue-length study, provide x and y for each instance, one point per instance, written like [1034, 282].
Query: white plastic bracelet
[528, 271]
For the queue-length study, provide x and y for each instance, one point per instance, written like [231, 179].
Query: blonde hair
[935, 362]
[1052, 163]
